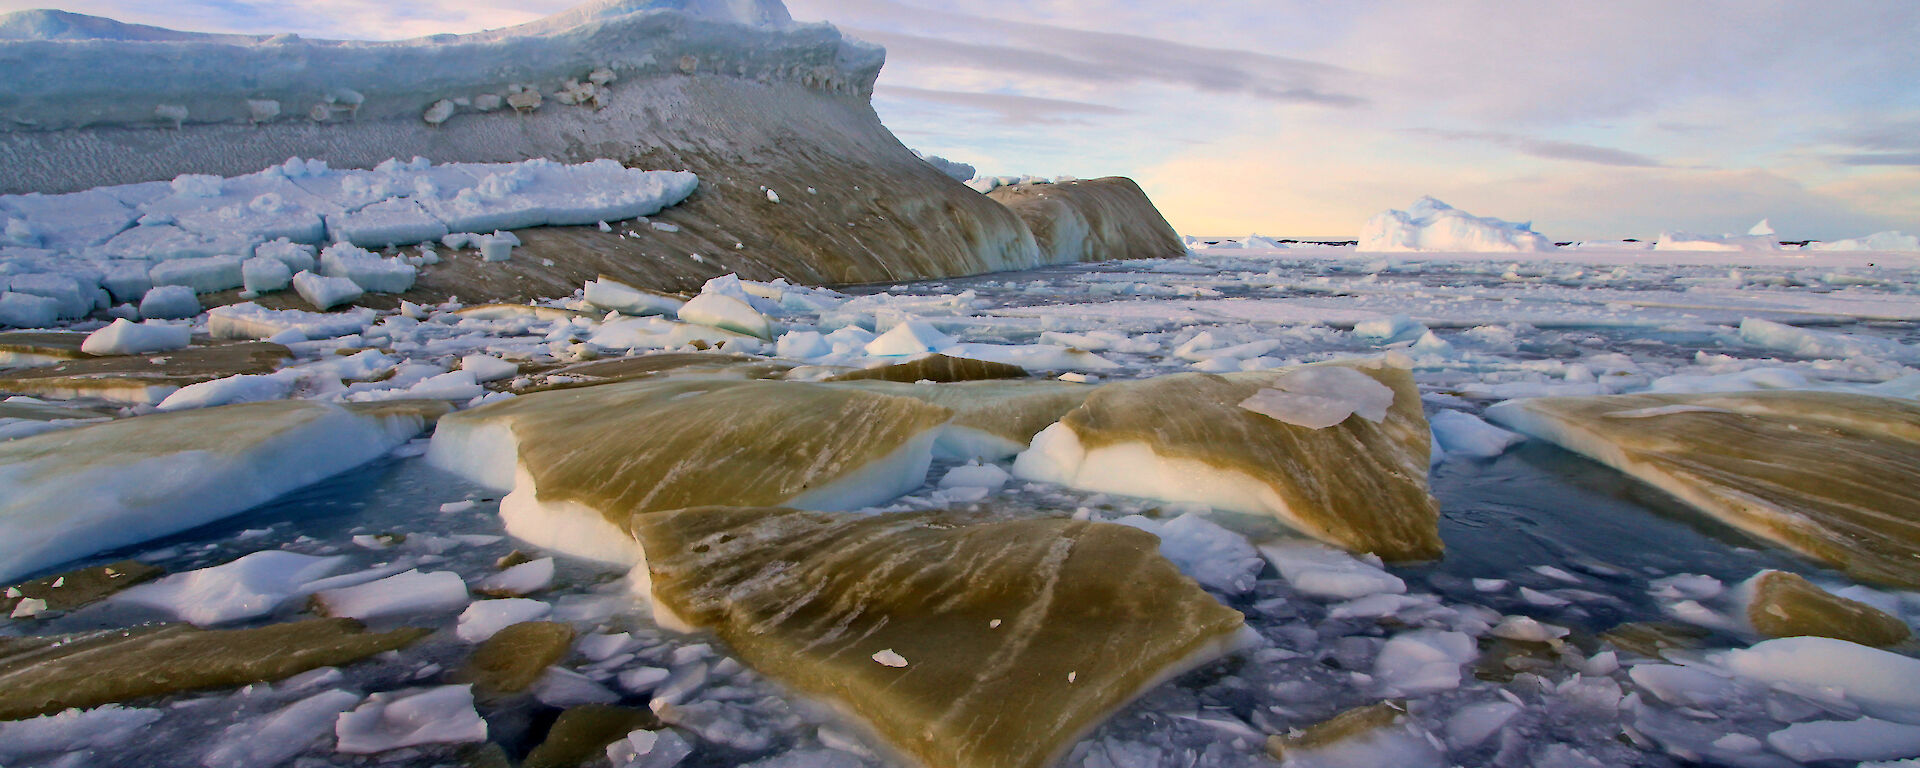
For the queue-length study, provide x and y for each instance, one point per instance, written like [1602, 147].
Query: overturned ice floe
[1431, 225]
[1360, 483]
[1825, 474]
[960, 640]
[577, 459]
[80, 491]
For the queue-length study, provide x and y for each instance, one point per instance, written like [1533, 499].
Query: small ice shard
[798, 596]
[726, 313]
[1824, 474]
[522, 579]
[388, 721]
[486, 368]
[1423, 661]
[325, 293]
[126, 338]
[663, 748]
[79, 491]
[579, 462]
[887, 658]
[1359, 484]
[1318, 397]
[1781, 604]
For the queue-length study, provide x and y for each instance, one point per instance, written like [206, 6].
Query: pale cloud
[1008, 108]
[1550, 150]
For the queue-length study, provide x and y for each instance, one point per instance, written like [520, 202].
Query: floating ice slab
[578, 460]
[1884, 684]
[252, 321]
[485, 618]
[1821, 473]
[1009, 671]
[1464, 434]
[1358, 484]
[85, 490]
[1323, 572]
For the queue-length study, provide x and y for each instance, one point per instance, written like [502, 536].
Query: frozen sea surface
[1531, 532]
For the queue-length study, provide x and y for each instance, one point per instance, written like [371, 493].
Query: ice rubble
[1431, 225]
[1819, 473]
[85, 490]
[1359, 484]
[217, 234]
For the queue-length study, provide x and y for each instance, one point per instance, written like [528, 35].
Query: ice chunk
[485, 617]
[79, 491]
[1781, 604]
[72, 731]
[523, 579]
[1217, 558]
[210, 274]
[389, 222]
[402, 594]
[628, 300]
[366, 269]
[245, 388]
[1862, 739]
[275, 738]
[388, 721]
[265, 274]
[249, 587]
[664, 748]
[1358, 484]
[1323, 572]
[125, 338]
[1431, 225]
[728, 313]
[325, 293]
[796, 595]
[1464, 434]
[73, 298]
[987, 476]
[1319, 397]
[25, 310]
[1471, 725]
[1423, 661]
[1885, 685]
[252, 321]
[169, 302]
[299, 257]
[909, 338]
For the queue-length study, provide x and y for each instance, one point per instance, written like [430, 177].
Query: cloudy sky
[1304, 117]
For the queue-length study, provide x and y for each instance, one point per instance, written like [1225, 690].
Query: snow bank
[80, 491]
[1431, 225]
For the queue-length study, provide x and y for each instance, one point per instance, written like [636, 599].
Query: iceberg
[1879, 241]
[1431, 225]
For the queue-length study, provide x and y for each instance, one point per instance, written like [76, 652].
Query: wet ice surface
[1534, 532]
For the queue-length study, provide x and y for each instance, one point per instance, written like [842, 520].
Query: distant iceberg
[1880, 241]
[1431, 225]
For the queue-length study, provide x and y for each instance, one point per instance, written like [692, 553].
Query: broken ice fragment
[388, 721]
[888, 658]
